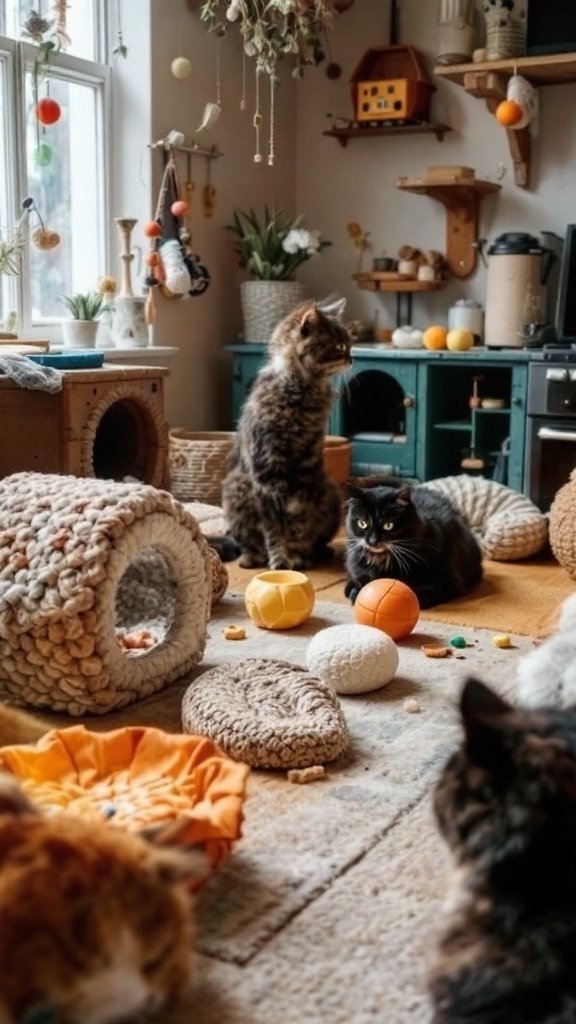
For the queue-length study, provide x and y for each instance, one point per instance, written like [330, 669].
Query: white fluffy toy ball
[352, 658]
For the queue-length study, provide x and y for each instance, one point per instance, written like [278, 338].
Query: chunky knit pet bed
[269, 714]
[563, 526]
[71, 585]
[509, 526]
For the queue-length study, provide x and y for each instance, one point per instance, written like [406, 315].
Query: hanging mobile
[243, 96]
[257, 121]
[208, 193]
[271, 154]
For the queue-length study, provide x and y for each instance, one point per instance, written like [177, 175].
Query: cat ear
[404, 496]
[482, 712]
[308, 319]
[355, 493]
[333, 305]
[13, 799]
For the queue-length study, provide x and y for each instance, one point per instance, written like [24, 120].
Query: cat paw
[248, 560]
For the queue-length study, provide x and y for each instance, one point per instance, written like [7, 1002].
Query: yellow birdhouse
[391, 83]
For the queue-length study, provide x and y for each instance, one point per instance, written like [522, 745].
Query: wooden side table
[107, 422]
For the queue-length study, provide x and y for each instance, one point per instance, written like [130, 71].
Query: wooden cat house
[391, 83]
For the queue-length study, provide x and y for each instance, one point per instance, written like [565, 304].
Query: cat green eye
[388, 525]
[362, 524]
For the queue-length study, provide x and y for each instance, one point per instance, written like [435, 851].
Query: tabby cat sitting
[506, 806]
[280, 505]
[410, 534]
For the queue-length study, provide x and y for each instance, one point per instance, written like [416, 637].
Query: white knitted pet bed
[81, 561]
[509, 526]
[269, 714]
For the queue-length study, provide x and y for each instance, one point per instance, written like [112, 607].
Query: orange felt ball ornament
[48, 111]
[509, 113]
[388, 605]
[152, 229]
[179, 208]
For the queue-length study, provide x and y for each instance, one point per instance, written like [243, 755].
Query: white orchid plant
[272, 248]
[272, 29]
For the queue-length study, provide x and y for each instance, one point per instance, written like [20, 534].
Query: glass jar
[455, 31]
[467, 313]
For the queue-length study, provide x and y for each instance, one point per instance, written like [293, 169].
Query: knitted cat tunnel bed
[104, 591]
[269, 714]
[563, 526]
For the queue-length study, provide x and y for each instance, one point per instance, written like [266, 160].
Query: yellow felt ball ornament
[181, 68]
[509, 113]
[435, 336]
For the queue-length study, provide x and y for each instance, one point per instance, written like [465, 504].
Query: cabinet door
[377, 411]
[245, 368]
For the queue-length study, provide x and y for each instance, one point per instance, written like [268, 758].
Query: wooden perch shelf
[343, 134]
[376, 283]
[462, 202]
[489, 81]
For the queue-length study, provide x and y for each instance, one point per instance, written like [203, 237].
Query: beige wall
[313, 174]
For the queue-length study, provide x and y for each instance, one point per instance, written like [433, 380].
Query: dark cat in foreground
[281, 507]
[506, 806]
[411, 534]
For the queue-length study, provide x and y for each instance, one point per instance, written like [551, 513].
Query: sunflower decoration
[360, 239]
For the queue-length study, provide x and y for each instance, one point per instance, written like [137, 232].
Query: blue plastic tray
[75, 359]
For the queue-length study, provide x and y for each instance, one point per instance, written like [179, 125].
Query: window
[62, 166]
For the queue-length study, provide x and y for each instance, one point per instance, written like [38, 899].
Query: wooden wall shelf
[462, 203]
[374, 283]
[343, 134]
[489, 81]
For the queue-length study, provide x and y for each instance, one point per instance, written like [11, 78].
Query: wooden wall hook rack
[213, 153]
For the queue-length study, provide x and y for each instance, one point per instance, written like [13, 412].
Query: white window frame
[16, 59]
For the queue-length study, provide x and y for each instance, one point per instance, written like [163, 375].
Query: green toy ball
[43, 155]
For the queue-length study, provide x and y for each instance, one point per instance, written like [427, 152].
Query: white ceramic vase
[79, 333]
[129, 327]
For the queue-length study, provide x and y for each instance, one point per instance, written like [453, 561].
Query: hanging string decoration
[46, 35]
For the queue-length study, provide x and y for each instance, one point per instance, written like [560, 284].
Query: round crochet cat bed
[563, 526]
[136, 778]
[104, 591]
[269, 714]
[509, 526]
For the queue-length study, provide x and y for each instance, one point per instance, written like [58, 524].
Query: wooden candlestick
[126, 226]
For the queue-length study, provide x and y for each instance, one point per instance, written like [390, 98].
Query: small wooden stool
[106, 422]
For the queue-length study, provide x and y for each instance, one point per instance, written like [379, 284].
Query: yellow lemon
[460, 339]
[435, 336]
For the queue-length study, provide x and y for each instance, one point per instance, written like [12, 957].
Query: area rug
[324, 911]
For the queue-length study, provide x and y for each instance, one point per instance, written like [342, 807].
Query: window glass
[77, 36]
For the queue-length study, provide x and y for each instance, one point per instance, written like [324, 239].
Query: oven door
[550, 458]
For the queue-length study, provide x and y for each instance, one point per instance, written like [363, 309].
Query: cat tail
[226, 547]
[20, 727]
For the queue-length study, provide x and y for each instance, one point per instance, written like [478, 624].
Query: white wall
[314, 175]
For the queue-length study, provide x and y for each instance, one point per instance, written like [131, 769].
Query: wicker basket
[503, 41]
[266, 303]
[197, 464]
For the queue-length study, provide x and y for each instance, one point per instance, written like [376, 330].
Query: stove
[551, 423]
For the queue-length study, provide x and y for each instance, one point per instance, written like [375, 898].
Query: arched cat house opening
[378, 416]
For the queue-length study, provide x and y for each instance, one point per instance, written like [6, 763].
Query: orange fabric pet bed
[137, 778]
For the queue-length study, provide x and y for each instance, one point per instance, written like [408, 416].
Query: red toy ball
[389, 605]
[48, 111]
[179, 208]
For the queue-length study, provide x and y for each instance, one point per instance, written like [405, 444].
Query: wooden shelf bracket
[462, 204]
[491, 86]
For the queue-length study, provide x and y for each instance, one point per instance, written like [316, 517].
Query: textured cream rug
[324, 912]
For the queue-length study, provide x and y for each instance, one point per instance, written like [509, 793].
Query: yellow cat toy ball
[389, 605]
[181, 68]
[279, 599]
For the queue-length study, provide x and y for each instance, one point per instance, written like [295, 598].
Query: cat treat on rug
[281, 506]
[411, 534]
[506, 806]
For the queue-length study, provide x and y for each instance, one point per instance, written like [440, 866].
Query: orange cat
[96, 925]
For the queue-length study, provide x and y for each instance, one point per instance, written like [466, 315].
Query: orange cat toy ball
[389, 605]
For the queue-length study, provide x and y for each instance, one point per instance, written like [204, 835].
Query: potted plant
[270, 249]
[80, 331]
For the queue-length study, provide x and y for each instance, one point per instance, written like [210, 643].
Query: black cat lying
[411, 534]
[506, 806]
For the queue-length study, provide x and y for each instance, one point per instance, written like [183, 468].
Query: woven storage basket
[504, 41]
[266, 303]
[197, 464]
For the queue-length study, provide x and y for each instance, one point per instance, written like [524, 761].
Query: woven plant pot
[198, 463]
[266, 303]
[505, 40]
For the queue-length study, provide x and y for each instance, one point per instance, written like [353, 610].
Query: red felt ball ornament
[388, 605]
[48, 111]
[152, 229]
[179, 208]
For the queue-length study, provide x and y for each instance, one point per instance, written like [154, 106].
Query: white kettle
[518, 267]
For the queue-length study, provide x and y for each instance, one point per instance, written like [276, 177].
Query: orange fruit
[435, 336]
[509, 113]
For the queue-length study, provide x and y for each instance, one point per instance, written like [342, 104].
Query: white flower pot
[266, 303]
[79, 333]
